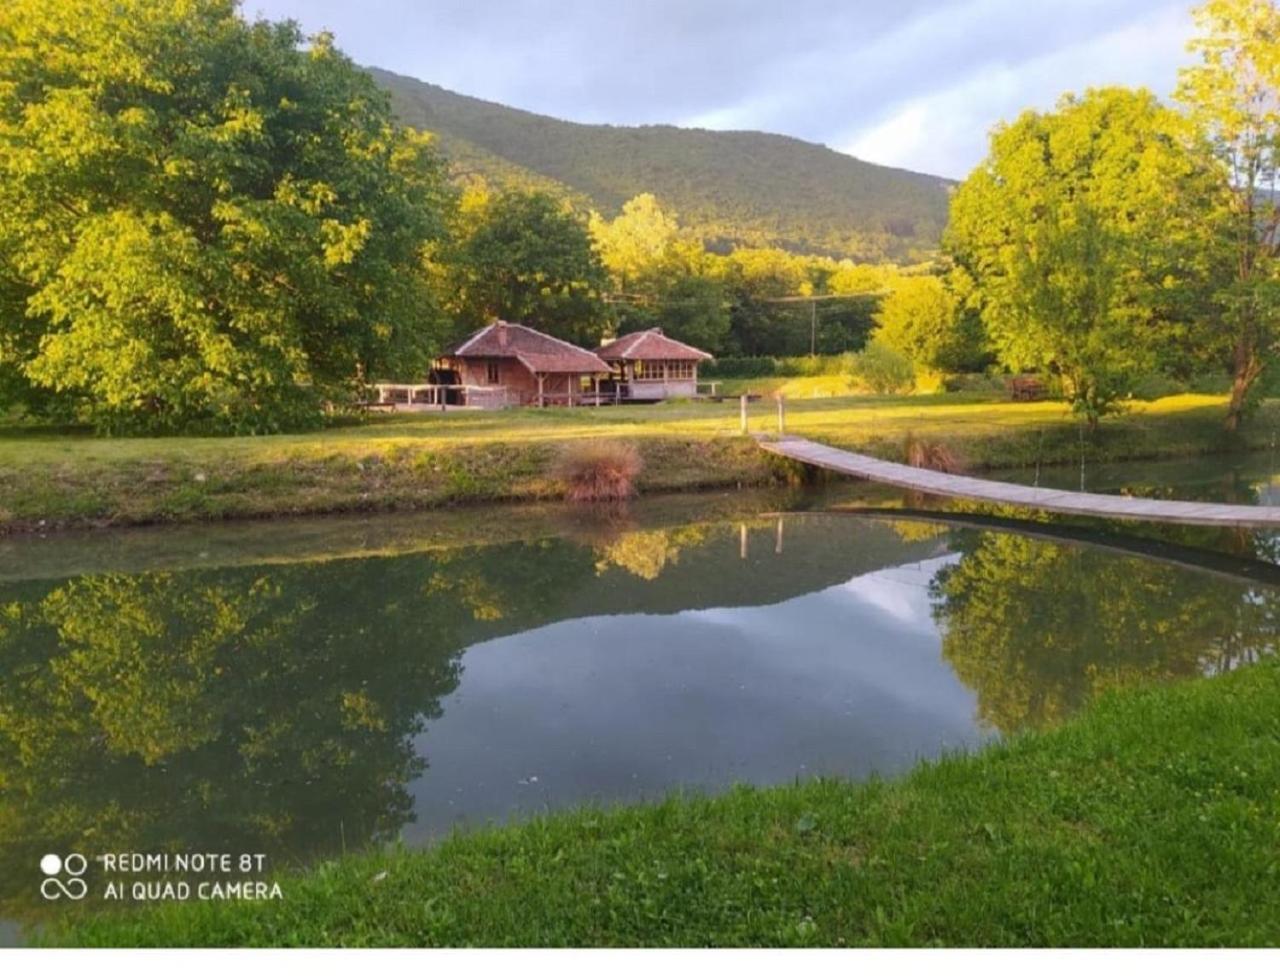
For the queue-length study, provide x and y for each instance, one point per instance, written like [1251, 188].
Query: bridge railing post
[742, 413]
[782, 414]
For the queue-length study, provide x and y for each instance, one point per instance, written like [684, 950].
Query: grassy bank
[413, 461]
[1154, 818]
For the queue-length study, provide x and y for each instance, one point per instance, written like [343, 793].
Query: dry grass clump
[598, 471]
[934, 455]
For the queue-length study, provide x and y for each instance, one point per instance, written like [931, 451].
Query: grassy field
[50, 479]
[796, 387]
[1151, 819]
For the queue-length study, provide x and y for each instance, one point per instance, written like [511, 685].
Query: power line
[825, 298]
[622, 298]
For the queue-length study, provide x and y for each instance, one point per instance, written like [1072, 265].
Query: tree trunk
[1245, 371]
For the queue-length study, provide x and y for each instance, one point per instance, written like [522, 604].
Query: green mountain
[751, 188]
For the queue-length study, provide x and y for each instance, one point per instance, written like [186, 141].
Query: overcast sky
[914, 83]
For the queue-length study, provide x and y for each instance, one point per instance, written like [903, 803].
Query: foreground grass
[1152, 819]
[415, 461]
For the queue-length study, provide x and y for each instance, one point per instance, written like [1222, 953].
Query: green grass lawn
[422, 460]
[1151, 819]
[795, 387]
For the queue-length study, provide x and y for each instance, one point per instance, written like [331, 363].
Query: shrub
[976, 383]
[832, 365]
[755, 367]
[741, 367]
[934, 455]
[1153, 386]
[883, 369]
[598, 471]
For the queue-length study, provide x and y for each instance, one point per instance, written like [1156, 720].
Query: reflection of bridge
[1003, 493]
[1236, 568]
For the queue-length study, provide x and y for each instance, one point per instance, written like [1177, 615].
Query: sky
[910, 83]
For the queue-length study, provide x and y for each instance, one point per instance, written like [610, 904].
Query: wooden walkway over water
[1004, 493]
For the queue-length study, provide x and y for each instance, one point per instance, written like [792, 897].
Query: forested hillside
[749, 188]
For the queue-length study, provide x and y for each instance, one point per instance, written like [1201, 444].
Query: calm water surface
[1247, 479]
[306, 688]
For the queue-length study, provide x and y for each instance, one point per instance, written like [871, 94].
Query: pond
[1239, 479]
[303, 688]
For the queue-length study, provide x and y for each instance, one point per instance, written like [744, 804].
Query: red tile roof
[540, 353]
[650, 344]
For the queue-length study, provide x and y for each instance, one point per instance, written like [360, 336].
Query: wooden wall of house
[657, 385]
[521, 385]
[662, 389]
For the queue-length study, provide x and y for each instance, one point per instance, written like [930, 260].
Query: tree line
[213, 225]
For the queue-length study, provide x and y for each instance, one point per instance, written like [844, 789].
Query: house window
[680, 369]
[492, 375]
[648, 369]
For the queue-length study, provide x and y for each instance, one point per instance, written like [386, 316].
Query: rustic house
[506, 364]
[650, 366]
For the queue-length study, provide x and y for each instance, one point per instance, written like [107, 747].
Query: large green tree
[1234, 95]
[762, 325]
[204, 223]
[527, 257]
[922, 318]
[1084, 234]
[662, 276]
[636, 241]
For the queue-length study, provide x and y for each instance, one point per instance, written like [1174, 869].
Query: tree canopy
[204, 223]
[922, 318]
[1083, 234]
[661, 275]
[526, 257]
[1233, 96]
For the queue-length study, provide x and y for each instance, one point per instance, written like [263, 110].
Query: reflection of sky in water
[1269, 493]
[846, 681]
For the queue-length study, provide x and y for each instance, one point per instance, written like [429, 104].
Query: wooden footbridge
[1004, 493]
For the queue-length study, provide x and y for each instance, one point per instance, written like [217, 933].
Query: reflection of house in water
[651, 366]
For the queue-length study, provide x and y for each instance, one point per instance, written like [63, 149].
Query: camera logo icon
[63, 877]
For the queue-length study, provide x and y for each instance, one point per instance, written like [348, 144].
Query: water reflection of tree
[267, 710]
[646, 553]
[1037, 629]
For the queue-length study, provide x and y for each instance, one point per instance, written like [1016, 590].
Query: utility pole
[813, 328]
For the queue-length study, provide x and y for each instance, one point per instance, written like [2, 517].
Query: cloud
[901, 593]
[937, 130]
[916, 83]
